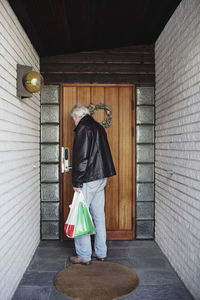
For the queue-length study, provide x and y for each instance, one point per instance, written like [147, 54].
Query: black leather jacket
[91, 157]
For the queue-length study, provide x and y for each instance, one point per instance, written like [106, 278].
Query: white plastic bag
[79, 220]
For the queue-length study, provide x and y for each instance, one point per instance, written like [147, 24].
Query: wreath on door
[107, 122]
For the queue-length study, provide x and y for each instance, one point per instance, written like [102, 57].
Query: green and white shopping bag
[79, 220]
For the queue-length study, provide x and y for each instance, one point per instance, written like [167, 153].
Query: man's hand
[76, 189]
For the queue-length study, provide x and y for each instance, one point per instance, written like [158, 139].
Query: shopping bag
[79, 220]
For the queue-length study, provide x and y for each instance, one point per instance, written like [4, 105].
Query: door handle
[65, 153]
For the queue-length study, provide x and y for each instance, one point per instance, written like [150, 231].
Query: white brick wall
[177, 196]
[19, 152]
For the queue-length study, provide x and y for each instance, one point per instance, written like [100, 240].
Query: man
[91, 165]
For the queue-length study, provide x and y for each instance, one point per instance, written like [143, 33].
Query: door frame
[110, 234]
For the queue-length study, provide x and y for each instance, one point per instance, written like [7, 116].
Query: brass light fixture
[28, 81]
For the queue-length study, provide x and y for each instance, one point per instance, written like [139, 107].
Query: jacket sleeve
[80, 155]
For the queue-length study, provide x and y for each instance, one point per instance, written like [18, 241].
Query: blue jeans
[95, 198]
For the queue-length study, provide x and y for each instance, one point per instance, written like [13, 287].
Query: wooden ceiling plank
[62, 22]
[85, 16]
[64, 26]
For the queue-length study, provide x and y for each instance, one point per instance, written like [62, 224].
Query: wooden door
[120, 189]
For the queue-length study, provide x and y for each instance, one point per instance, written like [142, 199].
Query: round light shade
[33, 82]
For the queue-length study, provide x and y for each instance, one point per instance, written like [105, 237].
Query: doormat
[98, 281]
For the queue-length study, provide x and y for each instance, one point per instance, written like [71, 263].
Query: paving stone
[146, 262]
[38, 278]
[152, 262]
[160, 292]
[145, 252]
[46, 264]
[118, 253]
[54, 252]
[132, 244]
[32, 293]
[56, 295]
[156, 277]
[57, 244]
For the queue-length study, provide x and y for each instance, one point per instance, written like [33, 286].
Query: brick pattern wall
[177, 192]
[19, 156]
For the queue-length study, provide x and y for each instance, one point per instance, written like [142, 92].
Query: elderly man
[91, 165]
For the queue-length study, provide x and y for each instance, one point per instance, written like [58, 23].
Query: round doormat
[100, 280]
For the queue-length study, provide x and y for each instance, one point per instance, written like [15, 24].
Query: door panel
[83, 95]
[112, 188]
[125, 159]
[120, 189]
[67, 141]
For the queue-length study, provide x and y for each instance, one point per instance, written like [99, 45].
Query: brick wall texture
[19, 156]
[177, 195]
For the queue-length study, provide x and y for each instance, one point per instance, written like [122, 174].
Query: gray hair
[79, 110]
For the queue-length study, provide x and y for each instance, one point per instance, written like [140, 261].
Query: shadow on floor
[158, 281]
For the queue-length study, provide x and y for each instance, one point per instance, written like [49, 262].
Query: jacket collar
[86, 117]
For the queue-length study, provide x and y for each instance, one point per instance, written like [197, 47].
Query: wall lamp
[28, 81]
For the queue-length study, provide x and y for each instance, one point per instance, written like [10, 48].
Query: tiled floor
[158, 281]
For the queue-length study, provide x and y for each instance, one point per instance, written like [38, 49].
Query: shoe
[98, 258]
[77, 260]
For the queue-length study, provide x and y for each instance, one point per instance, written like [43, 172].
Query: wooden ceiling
[65, 26]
